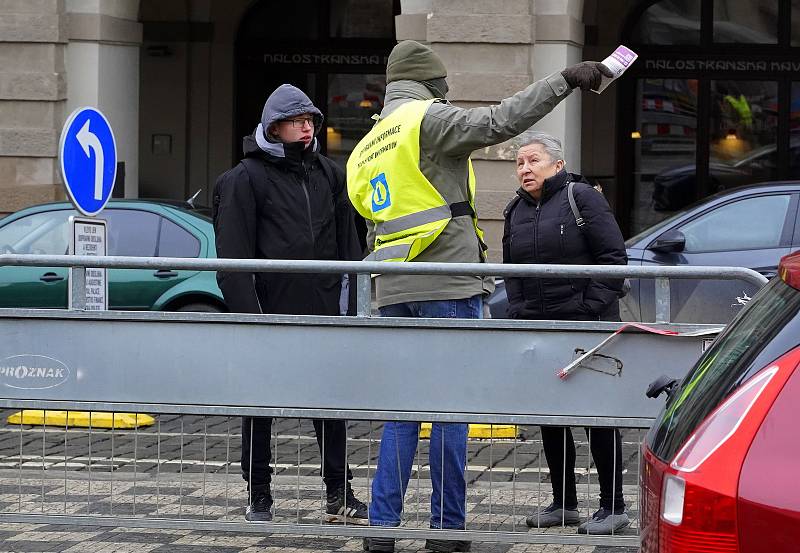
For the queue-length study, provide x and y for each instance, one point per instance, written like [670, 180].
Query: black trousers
[257, 452]
[606, 446]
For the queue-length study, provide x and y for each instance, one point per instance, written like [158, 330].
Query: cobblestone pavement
[187, 468]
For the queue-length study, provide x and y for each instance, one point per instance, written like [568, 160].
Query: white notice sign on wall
[88, 237]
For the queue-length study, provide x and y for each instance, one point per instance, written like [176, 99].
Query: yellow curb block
[82, 419]
[479, 431]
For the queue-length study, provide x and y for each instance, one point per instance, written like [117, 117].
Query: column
[102, 62]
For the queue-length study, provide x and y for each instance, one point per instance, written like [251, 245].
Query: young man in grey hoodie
[447, 136]
[285, 200]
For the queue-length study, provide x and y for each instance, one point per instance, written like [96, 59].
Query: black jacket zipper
[536, 255]
[304, 183]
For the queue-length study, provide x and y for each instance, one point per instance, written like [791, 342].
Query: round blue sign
[88, 155]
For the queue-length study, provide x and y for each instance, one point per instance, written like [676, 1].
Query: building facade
[713, 102]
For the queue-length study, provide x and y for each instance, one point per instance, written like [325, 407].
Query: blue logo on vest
[381, 198]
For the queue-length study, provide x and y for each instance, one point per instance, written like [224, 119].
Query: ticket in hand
[618, 62]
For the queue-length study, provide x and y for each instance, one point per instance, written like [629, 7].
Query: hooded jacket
[281, 202]
[546, 232]
[448, 135]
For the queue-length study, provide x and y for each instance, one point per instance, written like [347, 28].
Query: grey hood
[285, 102]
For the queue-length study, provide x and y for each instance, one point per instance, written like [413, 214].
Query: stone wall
[33, 91]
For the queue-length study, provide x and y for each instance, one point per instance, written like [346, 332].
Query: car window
[175, 241]
[767, 328]
[44, 233]
[746, 224]
[132, 232]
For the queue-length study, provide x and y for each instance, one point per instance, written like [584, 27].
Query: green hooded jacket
[448, 136]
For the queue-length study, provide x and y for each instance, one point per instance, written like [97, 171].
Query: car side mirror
[660, 385]
[672, 241]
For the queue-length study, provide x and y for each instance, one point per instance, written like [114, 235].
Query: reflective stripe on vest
[387, 187]
[407, 222]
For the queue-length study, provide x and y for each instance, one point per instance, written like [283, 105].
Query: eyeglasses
[301, 122]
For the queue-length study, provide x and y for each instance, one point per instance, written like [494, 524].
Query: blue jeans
[448, 445]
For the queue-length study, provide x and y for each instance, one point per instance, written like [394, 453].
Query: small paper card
[618, 62]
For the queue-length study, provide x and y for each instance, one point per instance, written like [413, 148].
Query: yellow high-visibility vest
[386, 186]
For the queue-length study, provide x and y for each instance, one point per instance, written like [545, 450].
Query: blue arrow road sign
[88, 159]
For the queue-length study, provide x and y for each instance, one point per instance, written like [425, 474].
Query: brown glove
[587, 75]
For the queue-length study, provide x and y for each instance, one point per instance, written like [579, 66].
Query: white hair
[550, 143]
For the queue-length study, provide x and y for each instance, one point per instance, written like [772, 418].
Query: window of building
[669, 22]
[743, 136]
[794, 132]
[361, 19]
[746, 22]
[795, 28]
[707, 118]
[352, 100]
[665, 149]
[340, 65]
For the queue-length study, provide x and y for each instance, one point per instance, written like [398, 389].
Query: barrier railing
[363, 269]
[195, 372]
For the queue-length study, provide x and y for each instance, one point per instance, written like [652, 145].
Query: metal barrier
[208, 368]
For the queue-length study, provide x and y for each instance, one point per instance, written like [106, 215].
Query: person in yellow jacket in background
[411, 178]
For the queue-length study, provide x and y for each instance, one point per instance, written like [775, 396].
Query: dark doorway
[712, 103]
[335, 51]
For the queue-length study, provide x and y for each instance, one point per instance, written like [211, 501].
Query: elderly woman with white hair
[541, 226]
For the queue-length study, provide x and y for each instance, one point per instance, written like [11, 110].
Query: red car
[721, 465]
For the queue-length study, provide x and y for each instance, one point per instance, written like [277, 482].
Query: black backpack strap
[255, 170]
[330, 174]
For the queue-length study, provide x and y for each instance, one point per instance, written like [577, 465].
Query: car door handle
[50, 277]
[165, 273]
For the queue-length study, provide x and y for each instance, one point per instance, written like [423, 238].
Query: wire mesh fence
[186, 469]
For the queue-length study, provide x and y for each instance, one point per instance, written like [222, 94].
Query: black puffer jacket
[283, 207]
[546, 232]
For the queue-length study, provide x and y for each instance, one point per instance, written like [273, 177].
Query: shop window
[743, 140]
[795, 30]
[673, 22]
[746, 21]
[794, 133]
[665, 142]
[362, 19]
[352, 101]
[297, 20]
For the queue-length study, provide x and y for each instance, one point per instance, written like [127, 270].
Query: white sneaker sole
[344, 519]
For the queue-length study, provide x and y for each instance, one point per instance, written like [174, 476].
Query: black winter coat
[546, 232]
[283, 208]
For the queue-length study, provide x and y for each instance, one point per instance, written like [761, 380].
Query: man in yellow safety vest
[411, 178]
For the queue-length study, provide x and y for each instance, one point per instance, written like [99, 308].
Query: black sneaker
[447, 546]
[344, 507]
[260, 507]
[383, 545]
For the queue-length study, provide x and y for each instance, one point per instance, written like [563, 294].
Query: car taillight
[722, 423]
[699, 490]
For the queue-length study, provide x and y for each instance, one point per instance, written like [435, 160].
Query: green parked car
[135, 228]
